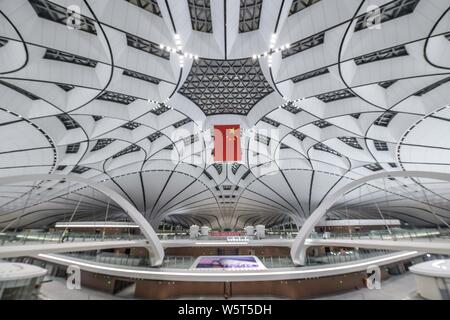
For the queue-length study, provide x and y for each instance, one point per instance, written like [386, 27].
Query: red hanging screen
[227, 143]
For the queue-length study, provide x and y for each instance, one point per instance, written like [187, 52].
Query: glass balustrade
[61, 237]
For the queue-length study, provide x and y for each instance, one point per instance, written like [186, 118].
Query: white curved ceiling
[330, 100]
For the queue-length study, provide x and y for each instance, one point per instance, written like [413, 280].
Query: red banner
[227, 143]
[225, 234]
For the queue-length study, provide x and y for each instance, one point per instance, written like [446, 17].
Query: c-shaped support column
[298, 249]
[155, 248]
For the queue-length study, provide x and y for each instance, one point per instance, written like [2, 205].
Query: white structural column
[156, 251]
[298, 249]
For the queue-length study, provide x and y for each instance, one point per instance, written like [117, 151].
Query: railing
[329, 258]
[111, 258]
[185, 262]
[277, 262]
[346, 256]
[170, 262]
[394, 234]
[60, 237]
[178, 262]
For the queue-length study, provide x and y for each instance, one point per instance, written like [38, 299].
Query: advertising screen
[229, 262]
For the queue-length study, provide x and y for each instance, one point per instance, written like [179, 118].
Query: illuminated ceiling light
[273, 40]
[161, 46]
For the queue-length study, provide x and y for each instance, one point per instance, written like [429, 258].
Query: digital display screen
[229, 262]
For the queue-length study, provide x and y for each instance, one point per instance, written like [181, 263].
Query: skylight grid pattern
[24, 92]
[292, 108]
[381, 145]
[262, 139]
[131, 125]
[322, 124]
[141, 76]
[68, 122]
[52, 54]
[393, 165]
[206, 173]
[181, 123]
[431, 87]
[170, 147]
[102, 143]
[335, 95]
[245, 175]
[374, 167]
[65, 87]
[147, 46]
[271, 122]
[226, 86]
[218, 167]
[190, 140]
[117, 97]
[299, 5]
[385, 119]
[300, 136]
[387, 84]
[324, 148]
[56, 13]
[154, 136]
[395, 52]
[235, 167]
[73, 148]
[130, 149]
[200, 11]
[311, 74]
[80, 170]
[149, 5]
[250, 15]
[390, 11]
[161, 109]
[3, 42]
[352, 142]
[303, 45]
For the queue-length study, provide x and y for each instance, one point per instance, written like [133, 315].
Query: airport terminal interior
[224, 149]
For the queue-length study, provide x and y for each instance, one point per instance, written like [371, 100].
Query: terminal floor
[401, 287]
